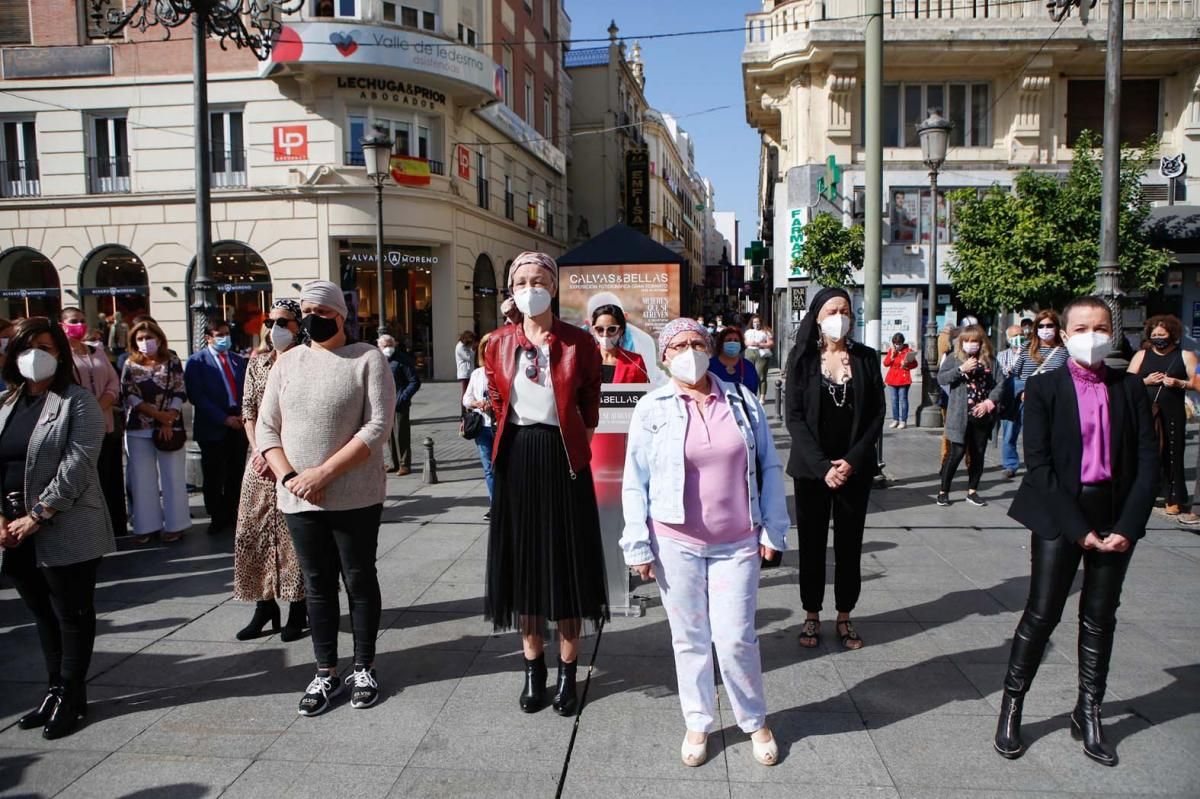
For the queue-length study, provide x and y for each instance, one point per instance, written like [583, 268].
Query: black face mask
[319, 328]
[1160, 343]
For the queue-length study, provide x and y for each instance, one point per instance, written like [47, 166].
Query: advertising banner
[637, 191]
[650, 296]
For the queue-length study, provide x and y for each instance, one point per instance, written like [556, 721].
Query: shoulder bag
[172, 442]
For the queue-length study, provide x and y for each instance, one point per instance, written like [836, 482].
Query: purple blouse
[1094, 427]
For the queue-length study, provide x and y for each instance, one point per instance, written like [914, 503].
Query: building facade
[1017, 87]
[97, 210]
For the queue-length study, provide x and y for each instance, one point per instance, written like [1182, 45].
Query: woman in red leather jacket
[545, 558]
[617, 365]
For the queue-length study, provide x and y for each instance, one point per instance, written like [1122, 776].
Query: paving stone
[126, 774]
[446, 783]
[42, 772]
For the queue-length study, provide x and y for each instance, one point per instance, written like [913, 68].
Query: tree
[1038, 246]
[831, 252]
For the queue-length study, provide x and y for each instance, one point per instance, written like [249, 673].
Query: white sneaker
[903, 425]
[894, 425]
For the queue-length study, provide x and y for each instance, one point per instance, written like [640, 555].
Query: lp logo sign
[291, 143]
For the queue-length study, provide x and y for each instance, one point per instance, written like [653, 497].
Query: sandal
[850, 639]
[766, 753]
[694, 755]
[170, 538]
[810, 634]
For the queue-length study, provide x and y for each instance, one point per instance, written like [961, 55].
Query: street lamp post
[934, 134]
[253, 24]
[377, 153]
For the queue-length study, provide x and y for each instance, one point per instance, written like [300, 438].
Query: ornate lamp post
[377, 153]
[934, 133]
[226, 20]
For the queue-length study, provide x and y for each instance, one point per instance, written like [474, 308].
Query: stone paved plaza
[180, 709]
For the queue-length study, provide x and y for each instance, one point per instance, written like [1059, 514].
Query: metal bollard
[779, 398]
[429, 474]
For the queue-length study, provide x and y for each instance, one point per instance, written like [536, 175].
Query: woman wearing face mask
[759, 341]
[900, 361]
[697, 521]
[54, 528]
[969, 374]
[728, 364]
[545, 557]
[94, 372]
[153, 388]
[1167, 372]
[1046, 351]
[1092, 468]
[324, 420]
[835, 409]
[265, 568]
[464, 358]
[617, 365]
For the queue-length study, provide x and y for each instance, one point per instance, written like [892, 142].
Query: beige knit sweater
[316, 401]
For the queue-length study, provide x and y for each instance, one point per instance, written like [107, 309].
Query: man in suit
[215, 377]
[404, 372]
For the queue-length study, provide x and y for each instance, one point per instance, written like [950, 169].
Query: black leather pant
[1054, 565]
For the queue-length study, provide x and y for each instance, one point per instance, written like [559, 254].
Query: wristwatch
[38, 514]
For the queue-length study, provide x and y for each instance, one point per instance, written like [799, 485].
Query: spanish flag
[409, 171]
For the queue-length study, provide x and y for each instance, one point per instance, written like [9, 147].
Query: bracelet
[287, 477]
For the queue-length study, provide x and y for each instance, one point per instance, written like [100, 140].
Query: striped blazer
[60, 471]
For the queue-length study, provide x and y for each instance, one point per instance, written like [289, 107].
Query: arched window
[29, 284]
[485, 295]
[244, 291]
[113, 280]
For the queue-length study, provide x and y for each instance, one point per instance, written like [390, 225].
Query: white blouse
[532, 401]
[477, 392]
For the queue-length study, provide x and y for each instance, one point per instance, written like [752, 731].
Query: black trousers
[329, 543]
[815, 503]
[1174, 484]
[400, 443]
[61, 599]
[974, 446]
[1054, 565]
[223, 463]
[112, 480]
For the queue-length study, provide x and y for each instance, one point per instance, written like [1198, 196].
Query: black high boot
[533, 697]
[565, 701]
[1008, 728]
[1086, 726]
[265, 610]
[39, 716]
[70, 709]
[297, 621]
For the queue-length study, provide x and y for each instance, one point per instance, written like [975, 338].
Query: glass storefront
[28, 285]
[244, 292]
[408, 295]
[114, 280]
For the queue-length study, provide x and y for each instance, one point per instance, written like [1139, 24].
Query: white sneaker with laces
[365, 690]
[319, 694]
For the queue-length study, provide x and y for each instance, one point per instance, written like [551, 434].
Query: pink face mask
[75, 330]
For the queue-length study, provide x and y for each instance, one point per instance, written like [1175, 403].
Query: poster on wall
[904, 215]
[650, 296]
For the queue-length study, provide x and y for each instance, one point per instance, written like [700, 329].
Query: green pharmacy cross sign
[756, 253]
[827, 184]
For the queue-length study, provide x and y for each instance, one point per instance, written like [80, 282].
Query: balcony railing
[356, 158]
[20, 179]
[799, 15]
[108, 175]
[229, 169]
[437, 167]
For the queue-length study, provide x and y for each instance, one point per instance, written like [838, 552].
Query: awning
[1174, 227]
[620, 244]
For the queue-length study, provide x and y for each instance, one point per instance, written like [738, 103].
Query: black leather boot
[1086, 726]
[565, 700]
[297, 621]
[38, 717]
[265, 610]
[1008, 728]
[70, 709]
[533, 697]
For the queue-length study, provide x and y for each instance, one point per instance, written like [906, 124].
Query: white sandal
[694, 755]
[766, 753]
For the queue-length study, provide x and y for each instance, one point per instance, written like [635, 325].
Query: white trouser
[711, 595]
[158, 483]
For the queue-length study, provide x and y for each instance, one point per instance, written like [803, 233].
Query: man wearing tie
[214, 377]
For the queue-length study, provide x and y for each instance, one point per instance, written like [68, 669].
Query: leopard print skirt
[264, 562]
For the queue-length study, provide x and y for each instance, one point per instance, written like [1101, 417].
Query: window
[528, 109]
[428, 20]
[1140, 113]
[507, 59]
[415, 135]
[466, 35]
[19, 175]
[481, 179]
[332, 8]
[910, 220]
[95, 23]
[108, 155]
[14, 22]
[906, 105]
[509, 203]
[548, 115]
[408, 16]
[228, 149]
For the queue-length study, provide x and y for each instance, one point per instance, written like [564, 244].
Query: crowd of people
[294, 441]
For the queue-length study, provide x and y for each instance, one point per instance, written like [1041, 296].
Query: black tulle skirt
[545, 560]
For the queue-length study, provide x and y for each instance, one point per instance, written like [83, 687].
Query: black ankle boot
[69, 710]
[533, 697]
[38, 718]
[264, 611]
[1085, 726]
[565, 701]
[297, 621]
[1008, 728]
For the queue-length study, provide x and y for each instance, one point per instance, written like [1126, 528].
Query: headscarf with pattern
[682, 325]
[292, 307]
[536, 259]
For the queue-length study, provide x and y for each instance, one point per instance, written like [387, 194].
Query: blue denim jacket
[652, 487]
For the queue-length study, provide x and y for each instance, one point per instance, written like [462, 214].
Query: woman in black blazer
[1091, 480]
[835, 410]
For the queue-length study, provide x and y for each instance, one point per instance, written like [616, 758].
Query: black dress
[1170, 419]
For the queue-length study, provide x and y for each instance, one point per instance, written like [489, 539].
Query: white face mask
[971, 347]
[1089, 349]
[835, 327]
[689, 366]
[1047, 333]
[532, 301]
[606, 342]
[281, 337]
[37, 365]
[148, 346]
[388, 352]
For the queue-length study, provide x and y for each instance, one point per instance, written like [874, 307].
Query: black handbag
[471, 426]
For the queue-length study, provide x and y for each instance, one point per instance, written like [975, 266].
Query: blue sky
[689, 74]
